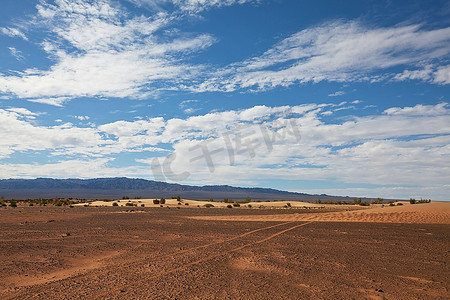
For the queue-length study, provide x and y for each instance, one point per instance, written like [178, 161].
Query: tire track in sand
[234, 249]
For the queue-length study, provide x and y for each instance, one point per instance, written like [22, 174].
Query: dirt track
[163, 253]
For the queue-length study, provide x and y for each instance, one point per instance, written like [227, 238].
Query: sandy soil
[424, 213]
[197, 203]
[191, 253]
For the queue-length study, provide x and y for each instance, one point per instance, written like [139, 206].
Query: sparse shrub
[399, 203]
[31, 204]
[142, 205]
[248, 199]
[156, 201]
[13, 204]
[71, 206]
[364, 204]
[225, 200]
[412, 201]
[59, 203]
[391, 204]
[125, 197]
[179, 203]
[230, 206]
[162, 201]
[211, 200]
[288, 204]
[178, 207]
[115, 204]
[129, 204]
[208, 205]
[186, 203]
[357, 201]
[379, 200]
[236, 205]
[249, 206]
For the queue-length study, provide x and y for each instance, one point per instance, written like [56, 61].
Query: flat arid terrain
[306, 251]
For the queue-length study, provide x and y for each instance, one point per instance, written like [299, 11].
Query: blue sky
[344, 98]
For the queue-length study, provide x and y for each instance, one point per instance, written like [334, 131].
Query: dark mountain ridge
[102, 188]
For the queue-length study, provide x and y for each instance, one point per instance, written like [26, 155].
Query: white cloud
[16, 53]
[442, 75]
[82, 118]
[439, 109]
[190, 6]
[244, 146]
[55, 101]
[13, 32]
[122, 57]
[337, 93]
[340, 52]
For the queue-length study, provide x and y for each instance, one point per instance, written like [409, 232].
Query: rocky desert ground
[186, 252]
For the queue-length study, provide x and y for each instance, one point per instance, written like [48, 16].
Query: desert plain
[268, 251]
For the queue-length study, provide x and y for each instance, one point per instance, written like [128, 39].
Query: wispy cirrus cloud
[190, 6]
[133, 56]
[122, 57]
[16, 53]
[13, 32]
[342, 51]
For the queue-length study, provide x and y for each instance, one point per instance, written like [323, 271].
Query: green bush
[142, 205]
[412, 201]
[229, 206]
[162, 201]
[364, 204]
[249, 206]
[399, 203]
[208, 205]
[391, 204]
[236, 205]
[129, 204]
[156, 201]
[115, 204]
[13, 204]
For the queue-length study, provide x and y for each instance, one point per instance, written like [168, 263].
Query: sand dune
[425, 213]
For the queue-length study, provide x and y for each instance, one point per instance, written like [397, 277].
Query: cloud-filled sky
[324, 97]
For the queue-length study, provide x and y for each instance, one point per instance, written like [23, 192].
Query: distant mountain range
[113, 188]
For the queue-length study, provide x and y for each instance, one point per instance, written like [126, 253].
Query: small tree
[412, 201]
